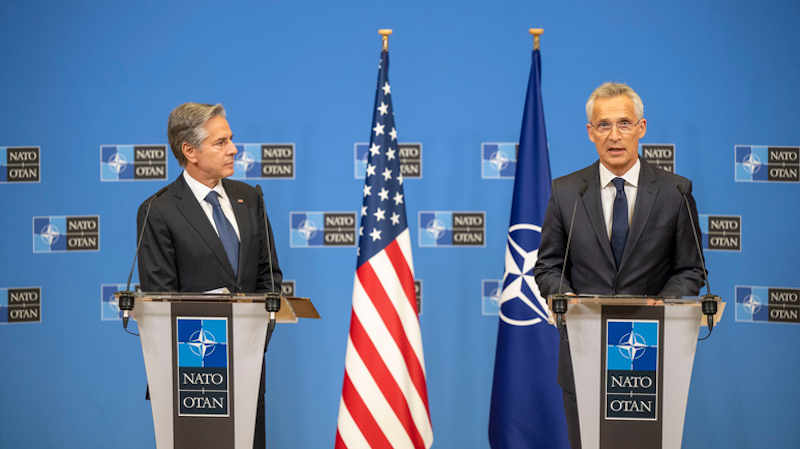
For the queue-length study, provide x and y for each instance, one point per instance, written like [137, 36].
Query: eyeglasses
[623, 126]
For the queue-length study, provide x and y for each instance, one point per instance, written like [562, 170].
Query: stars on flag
[383, 108]
[386, 88]
[379, 129]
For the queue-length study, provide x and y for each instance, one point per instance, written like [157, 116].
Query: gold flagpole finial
[536, 32]
[385, 32]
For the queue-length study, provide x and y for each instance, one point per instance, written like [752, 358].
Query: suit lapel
[198, 220]
[646, 194]
[593, 206]
[240, 212]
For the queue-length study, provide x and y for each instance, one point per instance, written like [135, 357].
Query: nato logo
[133, 162]
[20, 305]
[499, 160]
[321, 229]
[66, 233]
[760, 163]
[19, 164]
[491, 291]
[109, 307]
[767, 304]
[631, 369]
[721, 232]
[447, 228]
[409, 154]
[203, 359]
[662, 155]
[264, 161]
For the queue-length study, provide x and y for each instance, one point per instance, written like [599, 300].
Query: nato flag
[527, 409]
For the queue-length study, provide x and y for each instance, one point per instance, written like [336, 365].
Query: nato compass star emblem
[117, 162]
[519, 284]
[752, 303]
[245, 161]
[435, 228]
[632, 346]
[307, 229]
[49, 233]
[751, 163]
[202, 343]
[499, 160]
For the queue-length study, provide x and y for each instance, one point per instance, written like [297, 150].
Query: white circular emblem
[307, 229]
[49, 233]
[752, 303]
[117, 162]
[519, 280]
[244, 160]
[751, 163]
[202, 343]
[632, 345]
[435, 228]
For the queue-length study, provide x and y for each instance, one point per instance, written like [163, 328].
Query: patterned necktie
[226, 232]
[619, 224]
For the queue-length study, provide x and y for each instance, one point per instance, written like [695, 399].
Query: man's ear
[189, 152]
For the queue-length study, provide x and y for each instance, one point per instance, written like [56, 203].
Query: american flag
[384, 400]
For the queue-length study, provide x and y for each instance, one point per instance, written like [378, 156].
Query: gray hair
[185, 124]
[610, 89]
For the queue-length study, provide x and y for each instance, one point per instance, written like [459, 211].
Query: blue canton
[383, 211]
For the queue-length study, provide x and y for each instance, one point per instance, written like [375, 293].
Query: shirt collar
[201, 190]
[631, 177]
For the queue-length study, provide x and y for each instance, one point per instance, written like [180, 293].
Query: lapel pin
[240, 201]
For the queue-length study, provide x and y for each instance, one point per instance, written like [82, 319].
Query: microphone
[273, 302]
[709, 301]
[560, 300]
[125, 297]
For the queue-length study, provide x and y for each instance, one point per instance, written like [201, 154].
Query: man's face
[214, 159]
[618, 150]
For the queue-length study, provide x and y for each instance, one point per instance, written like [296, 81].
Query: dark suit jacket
[181, 252]
[660, 258]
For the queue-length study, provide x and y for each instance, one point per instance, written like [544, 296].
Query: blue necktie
[619, 224]
[226, 232]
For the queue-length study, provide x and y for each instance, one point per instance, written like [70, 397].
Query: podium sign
[203, 356]
[632, 360]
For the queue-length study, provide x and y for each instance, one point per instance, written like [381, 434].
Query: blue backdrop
[78, 75]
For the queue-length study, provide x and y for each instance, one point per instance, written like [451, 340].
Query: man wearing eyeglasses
[631, 234]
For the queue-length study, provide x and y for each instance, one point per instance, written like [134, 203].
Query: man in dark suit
[632, 233]
[204, 232]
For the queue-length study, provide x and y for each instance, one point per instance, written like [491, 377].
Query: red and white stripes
[384, 396]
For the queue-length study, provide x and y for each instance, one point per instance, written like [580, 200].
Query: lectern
[203, 355]
[632, 359]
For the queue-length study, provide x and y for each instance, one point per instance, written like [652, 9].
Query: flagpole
[536, 32]
[385, 32]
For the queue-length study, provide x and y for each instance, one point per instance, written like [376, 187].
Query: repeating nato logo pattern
[761, 163]
[409, 153]
[264, 160]
[631, 369]
[202, 345]
[133, 162]
[19, 164]
[322, 229]
[447, 228]
[66, 233]
[20, 305]
[499, 160]
[767, 304]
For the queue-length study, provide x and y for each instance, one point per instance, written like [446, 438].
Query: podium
[632, 360]
[203, 354]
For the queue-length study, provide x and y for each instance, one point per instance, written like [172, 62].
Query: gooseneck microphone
[126, 296]
[709, 301]
[560, 300]
[273, 302]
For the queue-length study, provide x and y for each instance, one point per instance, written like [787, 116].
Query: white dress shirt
[200, 192]
[608, 192]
